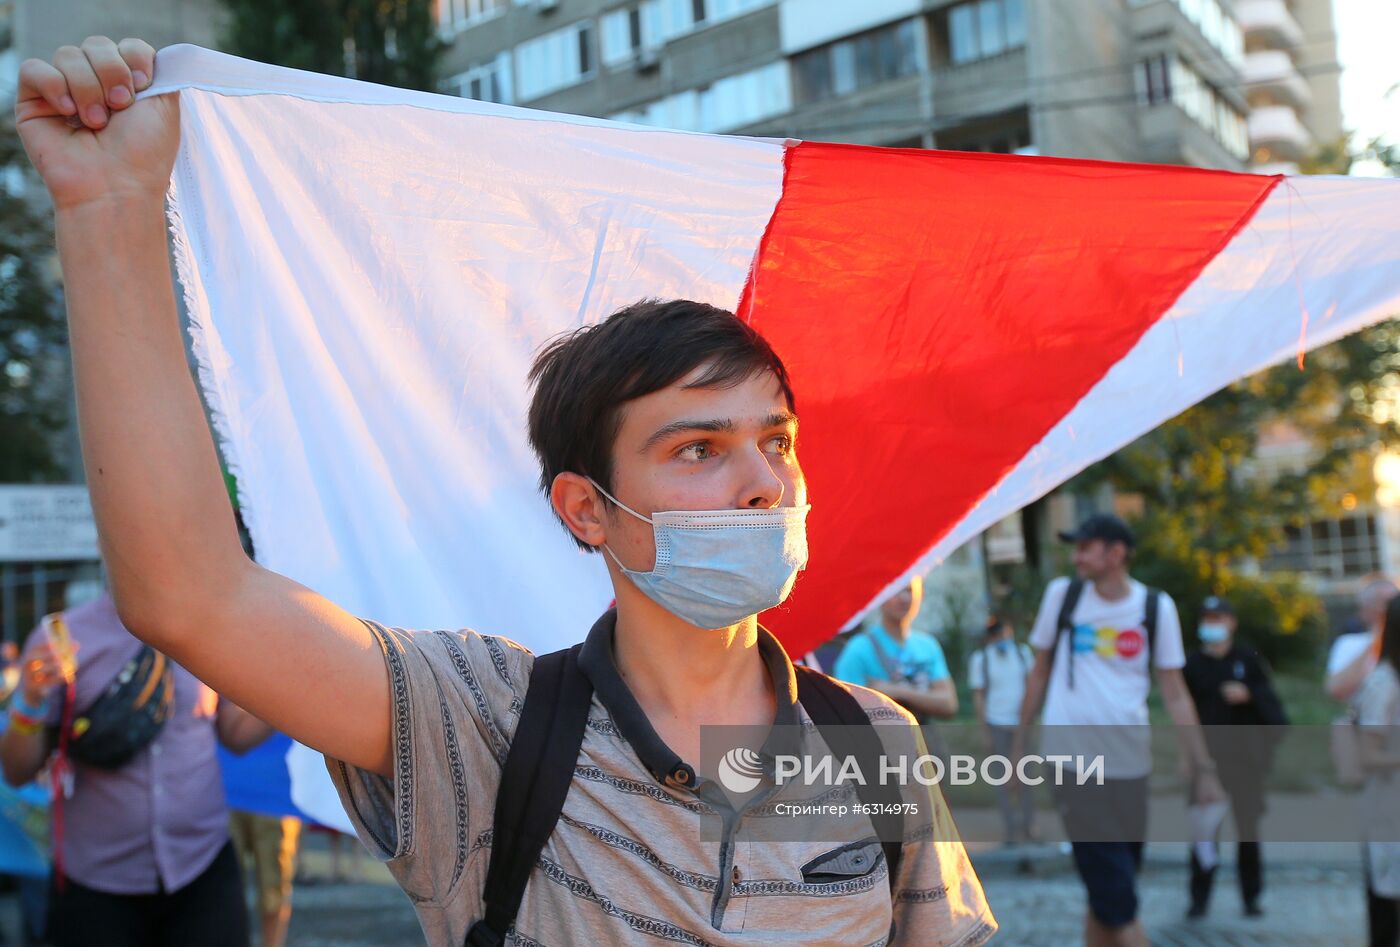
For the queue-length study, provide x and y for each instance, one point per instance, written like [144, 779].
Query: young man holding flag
[667, 438]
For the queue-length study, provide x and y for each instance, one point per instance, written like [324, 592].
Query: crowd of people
[553, 798]
[1098, 642]
[145, 851]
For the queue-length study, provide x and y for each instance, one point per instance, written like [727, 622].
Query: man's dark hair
[583, 379]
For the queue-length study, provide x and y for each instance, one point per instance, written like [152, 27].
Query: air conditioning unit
[546, 6]
[647, 60]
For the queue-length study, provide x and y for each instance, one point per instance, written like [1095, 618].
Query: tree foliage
[1208, 502]
[32, 385]
[391, 42]
[1201, 469]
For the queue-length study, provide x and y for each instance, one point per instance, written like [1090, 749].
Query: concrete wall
[1076, 54]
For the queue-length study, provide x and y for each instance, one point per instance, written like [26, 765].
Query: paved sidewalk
[361, 914]
[1313, 895]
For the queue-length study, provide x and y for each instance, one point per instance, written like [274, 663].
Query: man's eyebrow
[712, 425]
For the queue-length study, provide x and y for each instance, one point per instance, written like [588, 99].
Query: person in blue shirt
[905, 665]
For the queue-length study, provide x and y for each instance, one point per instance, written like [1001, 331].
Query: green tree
[1208, 503]
[32, 384]
[391, 42]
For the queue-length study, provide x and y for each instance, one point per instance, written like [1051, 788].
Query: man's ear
[580, 506]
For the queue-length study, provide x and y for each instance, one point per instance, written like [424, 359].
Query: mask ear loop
[619, 503]
[606, 547]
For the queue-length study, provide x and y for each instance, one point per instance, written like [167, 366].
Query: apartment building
[1155, 80]
[1291, 79]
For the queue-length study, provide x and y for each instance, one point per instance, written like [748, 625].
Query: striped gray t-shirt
[628, 862]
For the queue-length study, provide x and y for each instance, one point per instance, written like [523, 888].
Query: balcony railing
[1269, 22]
[1277, 128]
[1272, 72]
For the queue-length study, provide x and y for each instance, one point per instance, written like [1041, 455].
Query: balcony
[1276, 127]
[1270, 72]
[1268, 22]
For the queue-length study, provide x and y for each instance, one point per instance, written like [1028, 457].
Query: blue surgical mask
[715, 568]
[1003, 646]
[1212, 632]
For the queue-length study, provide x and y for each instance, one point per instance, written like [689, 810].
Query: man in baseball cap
[1104, 527]
[1100, 636]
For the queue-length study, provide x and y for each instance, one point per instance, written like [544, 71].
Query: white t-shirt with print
[1111, 676]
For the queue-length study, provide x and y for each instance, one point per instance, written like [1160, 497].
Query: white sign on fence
[46, 522]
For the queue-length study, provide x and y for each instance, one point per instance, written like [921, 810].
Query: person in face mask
[666, 435]
[1230, 684]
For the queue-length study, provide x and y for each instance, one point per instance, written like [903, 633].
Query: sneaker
[1253, 909]
[1196, 912]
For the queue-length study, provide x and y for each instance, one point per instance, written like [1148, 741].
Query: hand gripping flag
[369, 271]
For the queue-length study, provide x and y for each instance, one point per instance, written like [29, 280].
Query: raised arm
[179, 576]
[24, 747]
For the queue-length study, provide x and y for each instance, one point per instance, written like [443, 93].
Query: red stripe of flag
[939, 313]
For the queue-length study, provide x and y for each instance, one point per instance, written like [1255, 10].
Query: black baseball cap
[1215, 605]
[1103, 526]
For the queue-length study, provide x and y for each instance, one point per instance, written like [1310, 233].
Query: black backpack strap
[833, 709]
[538, 771]
[1149, 622]
[1065, 623]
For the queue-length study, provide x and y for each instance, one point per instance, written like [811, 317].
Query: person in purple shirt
[146, 856]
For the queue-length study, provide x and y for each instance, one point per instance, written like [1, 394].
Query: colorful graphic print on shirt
[1109, 642]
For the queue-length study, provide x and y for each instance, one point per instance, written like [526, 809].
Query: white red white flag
[369, 272]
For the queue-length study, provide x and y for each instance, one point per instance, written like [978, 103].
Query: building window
[487, 82]
[1343, 548]
[1006, 141]
[678, 17]
[731, 102]
[628, 31]
[1154, 80]
[749, 97]
[456, 15]
[1166, 78]
[554, 61]
[1216, 24]
[983, 28]
[857, 62]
